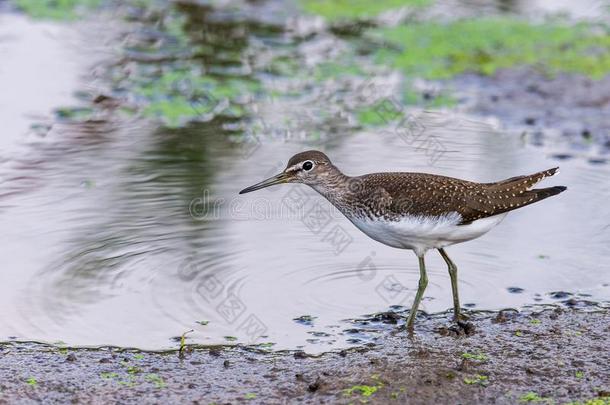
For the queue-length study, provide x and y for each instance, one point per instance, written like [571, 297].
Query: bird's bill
[271, 181]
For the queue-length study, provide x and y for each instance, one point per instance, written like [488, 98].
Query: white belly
[421, 233]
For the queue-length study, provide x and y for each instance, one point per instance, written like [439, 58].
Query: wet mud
[557, 355]
[567, 109]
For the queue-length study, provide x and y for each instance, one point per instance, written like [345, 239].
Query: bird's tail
[517, 192]
[524, 183]
[542, 193]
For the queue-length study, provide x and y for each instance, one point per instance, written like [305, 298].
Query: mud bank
[568, 108]
[557, 355]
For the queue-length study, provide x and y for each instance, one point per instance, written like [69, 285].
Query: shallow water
[129, 237]
[117, 232]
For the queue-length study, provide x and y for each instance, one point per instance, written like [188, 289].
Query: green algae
[337, 10]
[477, 379]
[179, 96]
[533, 397]
[364, 390]
[387, 110]
[156, 379]
[593, 401]
[474, 356]
[436, 50]
[56, 9]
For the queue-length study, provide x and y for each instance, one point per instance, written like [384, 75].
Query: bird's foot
[460, 316]
[465, 328]
[459, 328]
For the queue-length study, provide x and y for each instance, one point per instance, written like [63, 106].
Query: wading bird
[415, 211]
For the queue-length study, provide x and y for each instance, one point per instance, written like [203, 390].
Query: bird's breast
[424, 232]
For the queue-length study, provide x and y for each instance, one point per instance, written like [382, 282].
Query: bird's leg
[457, 315]
[423, 282]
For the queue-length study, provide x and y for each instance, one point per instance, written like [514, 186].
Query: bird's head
[310, 167]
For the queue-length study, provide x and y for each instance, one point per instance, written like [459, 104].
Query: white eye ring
[308, 165]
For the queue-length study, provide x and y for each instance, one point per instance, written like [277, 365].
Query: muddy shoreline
[567, 114]
[556, 355]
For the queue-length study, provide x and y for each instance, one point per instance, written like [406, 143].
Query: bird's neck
[333, 185]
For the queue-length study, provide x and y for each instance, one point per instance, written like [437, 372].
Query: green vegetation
[55, 9]
[250, 395]
[178, 96]
[477, 379]
[593, 401]
[334, 69]
[183, 343]
[372, 115]
[386, 111]
[364, 390]
[266, 345]
[134, 370]
[533, 397]
[337, 10]
[74, 114]
[32, 382]
[435, 50]
[473, 356]
[155, 379]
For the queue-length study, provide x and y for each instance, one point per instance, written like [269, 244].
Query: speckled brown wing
[400, 194]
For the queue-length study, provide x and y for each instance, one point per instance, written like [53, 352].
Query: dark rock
[300, 355]
[314, 386]
[558, 295]
[387, 317]
[505, 315]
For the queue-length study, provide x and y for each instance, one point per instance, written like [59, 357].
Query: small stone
[505, 316]
[71, 357]
[578, 363]
[387, 317]
[314, 386]
[300, 355]
[559, 295]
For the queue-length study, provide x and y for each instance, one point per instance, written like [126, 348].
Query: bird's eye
[308, 165]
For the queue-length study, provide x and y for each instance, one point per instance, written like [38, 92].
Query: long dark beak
[271, 181]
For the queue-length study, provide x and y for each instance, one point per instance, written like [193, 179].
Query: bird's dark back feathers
[399, 194]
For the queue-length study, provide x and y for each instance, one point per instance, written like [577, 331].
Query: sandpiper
[415, 211]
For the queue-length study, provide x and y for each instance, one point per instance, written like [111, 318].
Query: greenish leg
[423, 283]
[457, 315]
